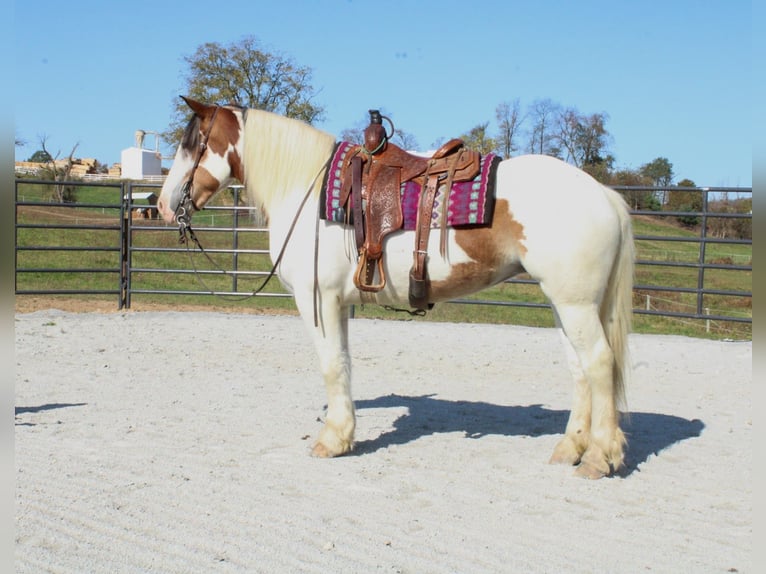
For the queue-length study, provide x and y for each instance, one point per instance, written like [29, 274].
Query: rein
[186, 207]
[277, 261]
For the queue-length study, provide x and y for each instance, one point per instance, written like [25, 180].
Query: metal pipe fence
[114, 232]
[44, 226]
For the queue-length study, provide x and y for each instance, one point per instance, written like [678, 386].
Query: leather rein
[186, 207]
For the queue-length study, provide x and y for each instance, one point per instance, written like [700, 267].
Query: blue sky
[675, 77]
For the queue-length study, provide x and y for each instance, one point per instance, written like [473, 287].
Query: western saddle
[372, 176]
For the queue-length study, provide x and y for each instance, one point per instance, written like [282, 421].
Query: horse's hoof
[565, 453]
[320, 451]
[593, 465]
[585, 470]
[562, 458]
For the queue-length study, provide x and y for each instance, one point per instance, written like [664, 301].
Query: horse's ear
[197, 107]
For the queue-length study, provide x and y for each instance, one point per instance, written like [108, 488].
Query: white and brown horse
[550, 219]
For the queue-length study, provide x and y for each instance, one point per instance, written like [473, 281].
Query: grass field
[90, 260]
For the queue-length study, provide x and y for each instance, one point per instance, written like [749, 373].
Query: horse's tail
[617, 307]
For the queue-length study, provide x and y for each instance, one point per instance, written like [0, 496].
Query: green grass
[155, 234]
[713, 279]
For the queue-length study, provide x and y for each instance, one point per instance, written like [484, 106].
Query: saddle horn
[375, 136]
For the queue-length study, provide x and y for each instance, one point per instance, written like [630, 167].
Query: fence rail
[125, 240]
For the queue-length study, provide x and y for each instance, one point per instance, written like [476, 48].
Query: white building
[139, 162]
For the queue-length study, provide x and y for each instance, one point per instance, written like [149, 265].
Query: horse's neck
[284, 160]
[297, 206]
[293, 203]
[282, 213]
[294, 224]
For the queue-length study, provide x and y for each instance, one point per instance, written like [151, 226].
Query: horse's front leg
[330, 337]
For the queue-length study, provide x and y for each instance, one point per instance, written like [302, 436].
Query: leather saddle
[372, 176]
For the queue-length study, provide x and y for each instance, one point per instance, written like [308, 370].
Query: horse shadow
[40, 408]
[648, 433]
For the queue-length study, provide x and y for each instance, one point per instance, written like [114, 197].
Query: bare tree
[568, 127]
[59, 171]
[509, 120]
[583, 138]
[353, 135]
[405, 140]
[542, 114]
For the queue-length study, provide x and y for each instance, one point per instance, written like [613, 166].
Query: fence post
[126, 193]
[235, 255]
[703, 246]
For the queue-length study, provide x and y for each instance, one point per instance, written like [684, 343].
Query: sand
[179, 442]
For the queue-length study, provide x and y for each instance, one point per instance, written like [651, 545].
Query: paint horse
[550, 220]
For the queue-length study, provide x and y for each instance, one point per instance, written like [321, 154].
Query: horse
[550, 220]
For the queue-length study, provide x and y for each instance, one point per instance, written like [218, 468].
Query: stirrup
[363, 275]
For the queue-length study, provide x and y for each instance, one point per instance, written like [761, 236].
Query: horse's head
[207, 160]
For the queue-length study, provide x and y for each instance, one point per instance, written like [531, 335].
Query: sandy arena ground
[178, 442]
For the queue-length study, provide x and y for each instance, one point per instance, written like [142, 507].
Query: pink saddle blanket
[468, 202]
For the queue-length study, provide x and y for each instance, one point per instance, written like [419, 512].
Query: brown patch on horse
[224, 139]
[236, 165]
[205, 186]
[225, 131]
[489, 248]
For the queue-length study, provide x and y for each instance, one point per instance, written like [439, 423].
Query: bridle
[186, 205]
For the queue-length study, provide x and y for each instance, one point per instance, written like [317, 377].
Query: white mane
[282, 156]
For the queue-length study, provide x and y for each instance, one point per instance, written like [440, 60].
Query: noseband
[186, 205]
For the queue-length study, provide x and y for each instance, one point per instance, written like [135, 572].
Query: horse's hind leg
[592, 437]
[570, 449]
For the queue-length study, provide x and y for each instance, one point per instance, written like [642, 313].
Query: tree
[636, 198]
[583, 138]
[542, 114]
[509, 119]
[243, 73]
[405, 140]
[40, 156]
[99, 167]
[59, 171]
[724, 227]
[660, 172]
[478, 139]
[691, 201]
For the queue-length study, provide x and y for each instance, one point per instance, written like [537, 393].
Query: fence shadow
[648, 433]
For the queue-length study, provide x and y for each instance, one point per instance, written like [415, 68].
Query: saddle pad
[470, 202]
